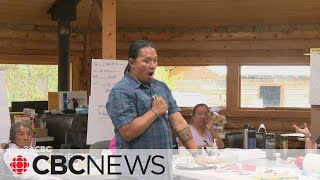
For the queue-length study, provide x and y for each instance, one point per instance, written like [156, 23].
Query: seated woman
[21, 139]
[20, 136]
[310, 143]
[202, 127]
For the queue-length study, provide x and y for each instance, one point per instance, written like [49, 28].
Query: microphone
[154, 96]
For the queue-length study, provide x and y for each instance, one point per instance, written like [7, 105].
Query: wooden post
[315, 121]
[109, 29]
[233, 86]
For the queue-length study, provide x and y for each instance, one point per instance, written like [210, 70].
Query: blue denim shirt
[130, 99]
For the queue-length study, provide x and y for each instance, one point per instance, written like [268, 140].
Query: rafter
[97, 5]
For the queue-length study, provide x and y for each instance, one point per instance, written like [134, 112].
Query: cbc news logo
[19, 164]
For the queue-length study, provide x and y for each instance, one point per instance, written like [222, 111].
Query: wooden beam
[28, 59]
[86, 63]
[226, 53]
[315, 122]
[36, 52]
[212, 36]
[260, 113]
[278, 124]
[45, 60]
[37, 35]
[97, 4]
[97, 54]
[270, 114]
[76, 71]
[32, 59]
[259, 60]
[221, 53]
[232, 45]
[36, 44]
[27, 52]
[233, 86]
[109, 29]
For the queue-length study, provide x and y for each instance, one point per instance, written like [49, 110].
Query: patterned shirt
[130, 99]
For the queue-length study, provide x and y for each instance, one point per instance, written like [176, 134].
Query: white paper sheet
[4, 111]
[104, 75]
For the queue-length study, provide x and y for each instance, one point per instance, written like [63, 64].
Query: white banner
[314, 97]
[4, 111]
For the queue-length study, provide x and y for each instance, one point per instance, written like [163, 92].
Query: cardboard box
[53, 101]
[37, 133]
[19, 118]
[67, 99]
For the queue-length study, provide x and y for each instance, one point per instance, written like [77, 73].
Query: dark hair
[14, 129]
[195, 109]
[134, 50]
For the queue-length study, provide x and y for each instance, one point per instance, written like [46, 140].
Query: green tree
[162, 74]
[30, 82]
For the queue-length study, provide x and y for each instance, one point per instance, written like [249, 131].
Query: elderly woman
[20, 136]
[21, 139]
[202, 127]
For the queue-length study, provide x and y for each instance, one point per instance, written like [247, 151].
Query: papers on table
[249, 154]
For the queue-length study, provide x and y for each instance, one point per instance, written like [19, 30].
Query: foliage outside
[162, 74]
[30, 82]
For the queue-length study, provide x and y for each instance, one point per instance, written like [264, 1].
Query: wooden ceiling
[34, 12]
[172, 13]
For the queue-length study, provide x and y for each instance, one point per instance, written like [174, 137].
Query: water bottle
[284, 147]
[252, 142]
[214, 152]
[245, 136]
[270, 146]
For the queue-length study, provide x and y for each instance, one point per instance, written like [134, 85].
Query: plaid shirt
[130, 99]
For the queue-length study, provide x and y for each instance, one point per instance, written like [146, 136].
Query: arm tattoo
[185, 134]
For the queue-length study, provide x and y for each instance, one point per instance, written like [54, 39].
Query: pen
[154, 96]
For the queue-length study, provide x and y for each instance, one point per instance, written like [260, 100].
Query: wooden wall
[40, 47]
[232, 49]
[184, 48]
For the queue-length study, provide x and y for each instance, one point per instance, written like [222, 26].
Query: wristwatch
[195, 153]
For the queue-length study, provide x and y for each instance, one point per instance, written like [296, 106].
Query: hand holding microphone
[159, 105]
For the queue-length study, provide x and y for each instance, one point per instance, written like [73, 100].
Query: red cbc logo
[19, 164]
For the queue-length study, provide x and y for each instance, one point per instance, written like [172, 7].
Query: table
[262, 167]
[44, 139]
